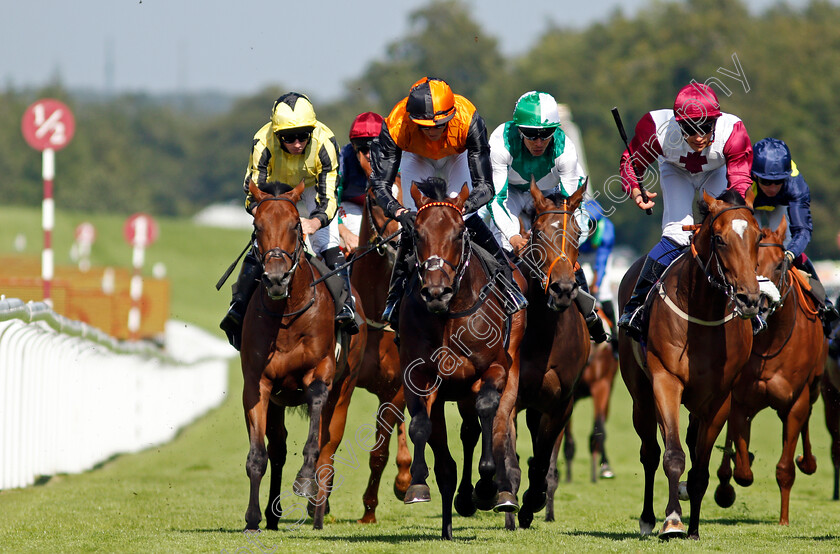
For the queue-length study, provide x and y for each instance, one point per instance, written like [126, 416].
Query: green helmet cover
[536, 109]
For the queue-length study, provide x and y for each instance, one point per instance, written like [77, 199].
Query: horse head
[772, 267]
[278, 234]
[553, 245]
[726, 247]
[441, 242]
[382, 225]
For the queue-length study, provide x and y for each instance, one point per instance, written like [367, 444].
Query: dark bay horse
[830, 386]
[783, 373]
[380, 369]
[597, 383]
[453, 328]
[289, 358]
[699, 338]
[556, 344]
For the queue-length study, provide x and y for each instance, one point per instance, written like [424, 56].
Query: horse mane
[276, 188]
[434, 188]
[730, 196]
[556, 197]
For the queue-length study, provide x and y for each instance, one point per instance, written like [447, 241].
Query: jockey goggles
[690, 128]
[534, 133]
[289, 138]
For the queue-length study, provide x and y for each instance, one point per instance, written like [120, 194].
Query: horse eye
[719, 240]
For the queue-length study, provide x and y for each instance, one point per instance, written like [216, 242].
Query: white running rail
[72, 396]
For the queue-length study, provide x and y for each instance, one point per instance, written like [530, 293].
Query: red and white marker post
[140, 231]
[48, 125]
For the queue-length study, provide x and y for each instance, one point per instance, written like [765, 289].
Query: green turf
[190, 495]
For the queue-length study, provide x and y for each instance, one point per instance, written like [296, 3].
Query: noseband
[436, 263]
[278, 252]
[562, 256]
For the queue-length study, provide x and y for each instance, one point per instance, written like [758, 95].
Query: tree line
[777, 70]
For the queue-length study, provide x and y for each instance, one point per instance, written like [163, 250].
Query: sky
[241, 46]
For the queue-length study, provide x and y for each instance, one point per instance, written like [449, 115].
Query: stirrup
[631, 323]
[390, 312]
[346, 319]
[232, 326]
[597, 332]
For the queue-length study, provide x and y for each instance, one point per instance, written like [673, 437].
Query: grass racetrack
[190, 495]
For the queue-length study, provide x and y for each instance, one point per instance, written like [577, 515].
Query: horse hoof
[464, 504]
[484, 503]
[399, 491]
[646, 529]
[417, 493]
[248, 531]
[682, 490]
[305, 487]
[535, 502]
[606, 472]
[725, 495]
[672, 528]
[809, 467]
[506, 503]
[525, 518]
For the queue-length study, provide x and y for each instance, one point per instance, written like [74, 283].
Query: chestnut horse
[380, 370]
[698, 340]
[830, 385]
[556, 344]
[289, 358]
[453, 328]
[596, 382]
[783, 373]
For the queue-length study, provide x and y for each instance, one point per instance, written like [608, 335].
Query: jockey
[435, 133]
[698, 148]
[781, 192]
[534, 145]
[597, 249]
[291, 147]
[352, 178]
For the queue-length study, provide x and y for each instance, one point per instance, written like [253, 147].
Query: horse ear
[462, 196]
[255, 190]
[750, 197]
[417, 196]
[536, 193]
[781, 229]
[296, 193]
[708, 199]
[577, 197]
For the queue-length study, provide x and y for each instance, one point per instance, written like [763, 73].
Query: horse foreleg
[470, 433]
[644, 423]
[569, 448]
[725, 492]
[792, 424]
[667, 392]
[487, 405]
[831, 405]
[316, 398]
[445, 469]
[742, 418]
[547, 430]
[698, 475]
[807, 463]
[386, 424]
[552, 476]
[420, 429]
[255, 396]
[512, 466]
[277, 434]
[600, 391]
[333, 421]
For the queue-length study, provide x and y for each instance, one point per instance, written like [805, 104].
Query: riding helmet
[771, 160]
[430, 102]
[536, 109]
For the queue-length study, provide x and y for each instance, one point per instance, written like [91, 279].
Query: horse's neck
[471, 283]
[691, 288]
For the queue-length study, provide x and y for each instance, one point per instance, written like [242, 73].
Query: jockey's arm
[478, 159]
[738, 154]
[645, 148]
[385, 158]
[326, 199]
[799, 215]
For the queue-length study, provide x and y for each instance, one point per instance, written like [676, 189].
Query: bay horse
[453, 328]
[556, 344]
[380, 370]
[595, 382]
[699, 338]
[288, 358]
[783, 373]
[830, 386]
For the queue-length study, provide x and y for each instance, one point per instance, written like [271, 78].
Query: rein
[562, 256]
[379, 242]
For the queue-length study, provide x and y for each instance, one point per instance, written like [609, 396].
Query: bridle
[782, 279]
[278, 252]
[379, 241]
[718, 281]
[436, 263]
[563, 256]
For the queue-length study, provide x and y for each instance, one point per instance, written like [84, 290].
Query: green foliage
[136, 153]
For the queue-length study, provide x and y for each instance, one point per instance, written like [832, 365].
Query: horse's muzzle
[437, 298]
[747, 304]
[277, 286]
[561, 294]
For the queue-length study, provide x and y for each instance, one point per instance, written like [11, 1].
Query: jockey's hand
[641, 204]
[351, 240]
[309, 225]
[406, 219]
[518, 242]
[789, 256]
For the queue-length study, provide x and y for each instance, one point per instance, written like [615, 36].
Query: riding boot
[588, 306]
[828, 313]
[514, 299]
[396, 288]
[346, 317]
[242, 290]
[632, 318]
[609, 311]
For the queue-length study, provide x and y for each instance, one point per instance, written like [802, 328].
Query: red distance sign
[47, 124]
[140, 230]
